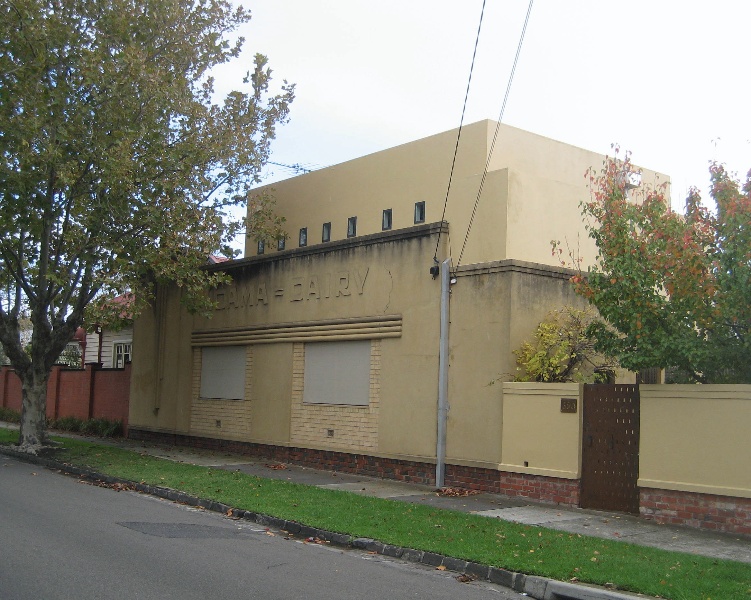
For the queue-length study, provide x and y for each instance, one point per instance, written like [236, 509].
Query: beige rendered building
[330, 351]
[531, 189]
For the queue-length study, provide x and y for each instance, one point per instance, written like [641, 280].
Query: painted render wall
[532, 413]
[507, 282]
[694, 438]
[162, 375]
[530, 196]
[494, 308]
[376, 288]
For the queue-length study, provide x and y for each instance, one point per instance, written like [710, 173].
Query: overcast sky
[667, 80]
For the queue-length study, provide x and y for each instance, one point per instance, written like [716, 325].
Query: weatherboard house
[370, 339]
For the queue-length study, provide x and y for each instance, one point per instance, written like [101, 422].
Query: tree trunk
[33, 411]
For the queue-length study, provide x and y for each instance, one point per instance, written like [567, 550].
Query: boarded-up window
[337, 373]
[223, 373]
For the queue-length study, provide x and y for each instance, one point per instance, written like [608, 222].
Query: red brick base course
[553, 490]
[702, 511]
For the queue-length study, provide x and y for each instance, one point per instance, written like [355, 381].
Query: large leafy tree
[675, 289]
[118, 166]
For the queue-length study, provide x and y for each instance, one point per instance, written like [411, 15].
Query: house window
[337, 373]
[261, 247]
[419, 212]
[223, 373]
[122, 354]
[352, 227]
[326, 232]
[281, 243]
[303, 237]
[386, 220]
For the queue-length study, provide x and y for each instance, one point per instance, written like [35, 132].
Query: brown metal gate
[610, 448]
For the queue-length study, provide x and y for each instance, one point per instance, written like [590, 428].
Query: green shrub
[9, 415]
[102, 428]
[562, 351]
[72, 424]
[94, 427]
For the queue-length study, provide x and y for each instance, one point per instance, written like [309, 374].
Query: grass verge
[526, 549]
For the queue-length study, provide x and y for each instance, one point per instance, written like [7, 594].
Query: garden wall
[694, 448]
[90, 393]
[538, 439]
[695, 455]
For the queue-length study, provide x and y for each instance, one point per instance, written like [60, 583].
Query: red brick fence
[90, 393]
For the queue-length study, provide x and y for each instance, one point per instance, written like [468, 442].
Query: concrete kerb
[539, 588]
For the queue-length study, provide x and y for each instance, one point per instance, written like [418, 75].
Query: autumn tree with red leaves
[674, 289]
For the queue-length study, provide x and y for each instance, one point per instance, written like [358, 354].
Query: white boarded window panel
[223, 373]
[337, 373]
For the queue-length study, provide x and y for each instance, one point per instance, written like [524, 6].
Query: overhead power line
[296, 168]
[459, 133]
[497, 128]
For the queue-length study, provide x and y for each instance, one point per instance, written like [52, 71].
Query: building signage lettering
[339, 284]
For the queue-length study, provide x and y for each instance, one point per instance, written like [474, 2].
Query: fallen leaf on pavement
[456, 492]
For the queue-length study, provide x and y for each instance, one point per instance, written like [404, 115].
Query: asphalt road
[62, 539]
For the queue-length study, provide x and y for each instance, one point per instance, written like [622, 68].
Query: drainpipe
[100, 333]
[443, 375]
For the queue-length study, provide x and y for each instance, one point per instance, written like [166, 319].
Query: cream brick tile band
[223, 419]
[336, 427]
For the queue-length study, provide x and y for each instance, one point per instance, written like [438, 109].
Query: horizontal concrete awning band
[389, 326]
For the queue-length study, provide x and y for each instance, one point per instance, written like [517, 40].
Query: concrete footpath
[607, 525]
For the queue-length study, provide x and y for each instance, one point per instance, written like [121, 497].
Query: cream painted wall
[376, 287]
[373, 288]
[537, 437]
[271, 393]
[162, 369]
[494, 308]
[695, 438]
[364, 187]
[144, 373]
[530, 196]
[480, 314]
